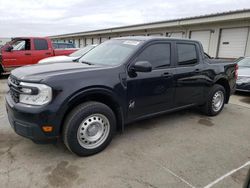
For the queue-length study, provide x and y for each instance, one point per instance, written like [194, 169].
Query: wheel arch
[224, 83]
[102, 95]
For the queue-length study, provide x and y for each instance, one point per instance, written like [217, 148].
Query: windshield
[245, 62]
[207, 56]
[110, 53]
[82, 51]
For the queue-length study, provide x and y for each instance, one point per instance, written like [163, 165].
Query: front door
[152, 92]
[20, 55]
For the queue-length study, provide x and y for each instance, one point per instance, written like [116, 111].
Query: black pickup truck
[118, 82]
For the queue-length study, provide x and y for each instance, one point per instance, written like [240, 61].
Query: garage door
[77, 44]
[88, 41]
[176, 34]
[82, 43]
[202, 36]
[104, 39]
[96, 40]
[233, 42]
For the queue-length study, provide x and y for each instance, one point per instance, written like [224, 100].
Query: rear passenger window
[41, 44]
[186, 54]
[55, 45]
[62, 46]
[157, 54]
[71, 45]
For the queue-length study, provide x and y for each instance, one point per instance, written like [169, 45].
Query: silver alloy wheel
[218, 101]
[93, 131]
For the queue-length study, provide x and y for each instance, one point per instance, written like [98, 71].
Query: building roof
[207, 18]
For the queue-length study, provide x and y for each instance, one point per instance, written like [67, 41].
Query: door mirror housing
[142, 66]
[9, 48]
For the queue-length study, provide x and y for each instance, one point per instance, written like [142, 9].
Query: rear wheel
[89, 128]
[215, 101]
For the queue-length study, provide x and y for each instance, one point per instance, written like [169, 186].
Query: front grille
[14, 88]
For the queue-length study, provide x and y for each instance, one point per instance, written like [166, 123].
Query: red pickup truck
[27, 51]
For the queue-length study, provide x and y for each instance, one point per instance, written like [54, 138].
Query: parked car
[27, 51]
[63, 45]
[70, 58]
[243, 81]
[118, 82]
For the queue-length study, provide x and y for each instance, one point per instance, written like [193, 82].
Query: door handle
[48, 53]
[27, 54]
[166, 74]
[197, 70]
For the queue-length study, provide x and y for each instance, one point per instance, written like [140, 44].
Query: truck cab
[27, 51]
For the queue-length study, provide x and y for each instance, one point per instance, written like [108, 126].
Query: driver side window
[21, 45]
[157, 54]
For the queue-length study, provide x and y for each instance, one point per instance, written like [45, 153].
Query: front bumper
[27, 121]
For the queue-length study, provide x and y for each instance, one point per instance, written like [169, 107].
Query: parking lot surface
[182, 149]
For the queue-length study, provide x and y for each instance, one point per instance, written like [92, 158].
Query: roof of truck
[148, 38]
[30, 38]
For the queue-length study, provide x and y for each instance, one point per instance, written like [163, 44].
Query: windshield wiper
[76, 60]
[88, 63]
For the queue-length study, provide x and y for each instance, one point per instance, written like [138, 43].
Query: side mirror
[142, 66]
[9, 49]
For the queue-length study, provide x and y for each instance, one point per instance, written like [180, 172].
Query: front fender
[94, 90]
[81, 95]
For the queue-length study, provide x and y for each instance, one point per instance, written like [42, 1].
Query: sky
[52, 17]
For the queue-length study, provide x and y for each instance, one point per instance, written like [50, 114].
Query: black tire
[208, 108]
[75, 119]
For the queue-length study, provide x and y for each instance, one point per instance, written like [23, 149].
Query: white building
[4, 40]
[223, 35]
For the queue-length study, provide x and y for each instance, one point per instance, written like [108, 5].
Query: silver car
[243, 81]
[67, 59]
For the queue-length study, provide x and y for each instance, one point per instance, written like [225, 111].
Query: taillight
[236, 71]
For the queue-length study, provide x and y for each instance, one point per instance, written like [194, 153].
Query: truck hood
[244, 71]
[39, 72]
[58, 59]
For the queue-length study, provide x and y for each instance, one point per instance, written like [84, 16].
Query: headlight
[35, 94]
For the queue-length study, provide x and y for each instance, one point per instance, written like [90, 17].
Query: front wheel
[215, 101]
[89, 128]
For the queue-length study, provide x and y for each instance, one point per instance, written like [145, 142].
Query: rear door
[188, 76]
[152, 92]
[40, 50]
